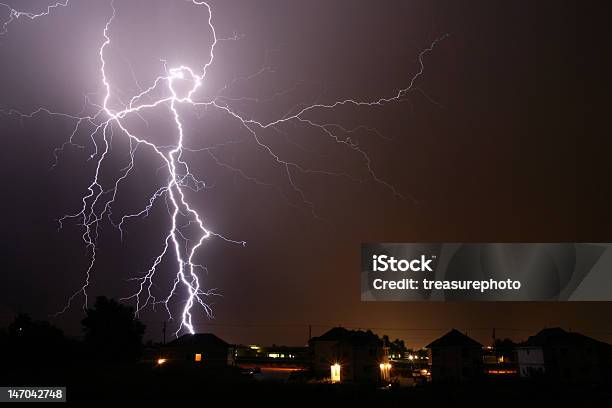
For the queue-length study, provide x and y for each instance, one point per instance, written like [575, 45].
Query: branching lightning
[180, 244]
[15, 14]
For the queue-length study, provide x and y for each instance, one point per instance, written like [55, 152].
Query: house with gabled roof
[455, 357]
[356, 355]
[564, 356]
[203, 349]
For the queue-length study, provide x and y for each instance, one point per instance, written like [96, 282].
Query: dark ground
[143, 383]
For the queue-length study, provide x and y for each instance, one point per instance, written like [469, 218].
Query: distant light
[161, 361]
[198, 357]
[382, 366]
[509, 371]
[254, 347]
[411, 357]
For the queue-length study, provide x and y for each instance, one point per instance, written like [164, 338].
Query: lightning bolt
[175, 88]
[14, 14]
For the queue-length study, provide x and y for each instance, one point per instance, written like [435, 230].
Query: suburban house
[564, 356]
[455, 357]
[204, 349]
[350, 355]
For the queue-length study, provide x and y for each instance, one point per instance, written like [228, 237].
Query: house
[204, 349]
[564, 356]
[350, 355]
[455, 357]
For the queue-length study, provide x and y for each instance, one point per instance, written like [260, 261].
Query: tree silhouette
[505, 348]
[29, 340]
[112, 332]
[396, 346]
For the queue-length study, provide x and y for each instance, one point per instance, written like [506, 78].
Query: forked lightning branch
[179, 87]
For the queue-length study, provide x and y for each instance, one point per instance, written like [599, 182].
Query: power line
[421, 329]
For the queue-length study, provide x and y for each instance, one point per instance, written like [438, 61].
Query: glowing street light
[385, 371]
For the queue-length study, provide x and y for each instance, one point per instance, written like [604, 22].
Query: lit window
[198, 357]
[335, 373]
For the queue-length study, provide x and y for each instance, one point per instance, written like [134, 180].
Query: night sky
[495, 144]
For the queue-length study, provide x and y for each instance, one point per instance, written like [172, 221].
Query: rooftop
[454, 338]
[355, 337]
[207, 340]
[558, 336]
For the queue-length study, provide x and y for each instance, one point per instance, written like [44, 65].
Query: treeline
[111, 334]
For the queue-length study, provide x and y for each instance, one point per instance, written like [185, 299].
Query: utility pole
[309, 332]
[164, 333]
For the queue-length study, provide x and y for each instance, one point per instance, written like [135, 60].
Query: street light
[385, 371]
